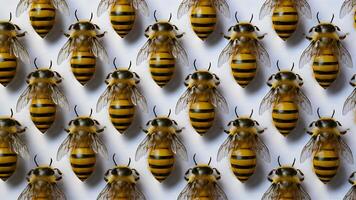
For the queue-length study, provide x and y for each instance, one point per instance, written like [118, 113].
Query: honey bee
[243, 146]
[162, 145]
[285, 15]
[347, 7]
[326, 52]
[44, 95]
[286, 184]
[202, 183]
[121, 183]
[285, 97]
[11, 145]
[327, 147]
[122, 13]
[351, 194]
[202, 97]
[10, 50]
[203, 14]
[42, 183]
[42, 13]
[84, 48]
[244, 51]
[350, 102]
[82, 143]
[123, 96]
[162, 49]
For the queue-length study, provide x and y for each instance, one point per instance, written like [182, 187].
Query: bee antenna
[154, 15]
[129, 65]
[237, 20]
[50, 163]
[251, 113]
[128, 164]
[209, 66]
[91, 17]
[293, 162]
[113, 159]
[332, 116]
[279, 162]
[332, 18]
[154, 111]
[195, 65]
[236, 112]
[10, 17]
[317, 17]
[91, 112]
[292, 67]
[35, 160]
[318, 112]
[279, 69]
[169, 113]
[251, 18]
[76, 16]
[170, 17]
[114, 62]
[50, 64]
[35, 62]
[209, 161]
[75, 110]
[12, 112]
[195, 161]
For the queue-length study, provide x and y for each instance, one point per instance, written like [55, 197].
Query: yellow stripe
[83, 65]
[285, 19]
[8, 67]
[122, 17]
[42, 17]
[203, 19]
[121, 113]
[162, 66]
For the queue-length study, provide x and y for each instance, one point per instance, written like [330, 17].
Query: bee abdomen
[243, 163]
[285, 19]
[8, 66]
[122, 17]
[8, 160]
[243, 67]
[162, 66]
[326, 163]
[83, 66]
[285, 116]
[325, 68]
[43, 113]
[161, 162]
[201, 116]
[42, 17]
[203, 19]
[121, 113]
[82, 160]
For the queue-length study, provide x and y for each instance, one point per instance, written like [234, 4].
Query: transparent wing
[344, 55]
[185, 6]
[222, 7]
[61, 5]
[19, 50]
[141, 6]
[218, 192]
[179, 53]
[308, 149]
[184, 100]
[58, 97]
[267, 101]
[56, 192]
[301, 194]
[22, 7]
[345, 151]
[262, 55]
[304, 102]
[272, 193]
[262, 150]
[19, 146]
[99, 51]
[27, 193]
[350, 103]
[24, 99]
[104, 5]
[105, 194]
[218, 100]
[308, 54]
[137, 194]
[144, 52]
[187, 192]
[225, 148]
[226, 53]
[104, 99]
[98, 145]
[178, 148]
[65, 52]
[267, 8]
[347, 7]
[351, 194]
[65, 147]
[304, 8]
[142, 148]
[138, 99]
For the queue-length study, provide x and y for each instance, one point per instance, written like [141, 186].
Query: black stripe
[121, 107]
[9, 164]
[284, 31]
[285, 120]
[83, 173]
[121, 124]
[243, 61]
[284, 23]
[203, 32]
[83, 74]
[7, 172]
[242, 174]
[326, 168]
[7, 77]
[82, 66]
[42, 27]
[326, 72]
[122, 23]
[285, 128]
[326, 158]
[161, 74]
[78, 156]
[243, 78]
[43, 123]
[121, 13]
[243, 166]
[284, 13]
[237, 157]
[244, 70]
[7, 59]
[161, 174]
[7, 69]
[153, 58]
[42, 114]
[42, 9]
[203, 24]
[161, 166]
[202, 127]
[161, 66]
[201, 120]
[324, 176]
[201, 110]
[37, 105]
[8, 154]
[325, 63]
[203, 15]
[78, 57]
[326, 80]
[42, 18]
[121, 116]
[83, 165]
[158, 157]
[285, 111]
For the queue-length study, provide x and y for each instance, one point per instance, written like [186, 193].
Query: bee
[82, 143]
[243, 145]
[83, 48]
[347, 7]
[42, 183]
[327, 52]
[11, 145]
[44, 95]
[285, 16]
[10, 50]
[203, 15]
[162, 145]
[286, 183]
[202, 183]
[350, 101]
[42, 13]
[162, 49]
[327, 147]
[244, 51]
[123, 96]
[202, 97]
[286, 97]
[351, 194]
[121, 183]
[123, 13]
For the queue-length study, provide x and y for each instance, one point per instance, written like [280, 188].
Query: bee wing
[99, 51]
[65, 51]
[267, 8]
[262, 55]
[225, 148]
[304, 8]
[304, 102]
[27, 193]
[185, 6]
[98, 145]
[350, 102]
[106, 193]
[261, 149]
[308, 149]
[61, 5]
[351, 194]
[104, 99]
[19, 50]
[19, 146]
[58, 97]
[144, 52]
[268, 101]
[179, 53]
[347, 7]
[222, 7]
[184, 100]
[301, 194]
[142, 148]
[56, 192]
[178, 148]
[141, 6]
[343, 55]
[22, 7]
[24, 99]
[65, 147]
[104, 6]
[218, 100]
[308, 54]
[218, 192]
[226, 53]
[272, 193]
[138, 99]
[187, 192]
[345, 151]
[136, 193]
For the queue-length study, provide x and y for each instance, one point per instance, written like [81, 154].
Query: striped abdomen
[289, 193]
[355, 18]
[161, 161]
[285, 19]
[42, 16]
[82, 160]
[326, 163]
[243, 163]
[243, 67]
[325, 67]
[43, 113]
[83, 65]
[8, 160]
[121, 113]
[8, 66]
[122, 17]
[285, 115]
[203, 18]
[201, 115]
[162, 66]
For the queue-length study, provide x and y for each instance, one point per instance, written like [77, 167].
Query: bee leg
[344, 132]
[66, 34]
[21, 130]
[186, 175]
[180, 35]
[262, 36]
[21, 34]
[226, 37]
[261, 131]
[226, 131]
[101, 35]
[100, 130]
[309, 38]
[66, 130]
[179, 130]
[343, 37]
[144, 130]
[309, 132]
[218, 176]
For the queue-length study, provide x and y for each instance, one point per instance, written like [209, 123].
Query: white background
[246, 99]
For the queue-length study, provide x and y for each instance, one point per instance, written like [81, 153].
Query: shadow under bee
[340, 178]
[299, 35]
[135, 128]
[137, 30]
[258, 82]
[300, 129]
[176, 81]
[19, 78]
[258, 177]
[218, 126]
[20, 173]
[98, 174]
[216, 35]
[176, 175]
[57, 127]
[340, 82]
[98, 77]
[57, 30]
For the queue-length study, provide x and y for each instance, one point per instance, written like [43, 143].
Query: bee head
[44, 73]
[83, 121]
[243, 122]
[7, 122]
[162, 25]
[8, 26]
[244, 27]
[121, 171]
[83, 25]
[325, 27]
[286, 170]
[122, 74]
[285, 75]
[162, 121]
[202, 170]
[326, 122]
[45, 171]
[202, 75]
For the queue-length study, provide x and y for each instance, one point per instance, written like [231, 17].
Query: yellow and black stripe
[161, 161]
[244, 67]
[326, 163]
[202, 114]
[285, 116]
[83, 64]
[285, 19]
[42, 16]
[203, 18]
[8, 66]
[325, 67]
[8, 160]
[162, 66]
[121, 113]
[122, 17]
[43, 113]
[243, 163]
[82, 160]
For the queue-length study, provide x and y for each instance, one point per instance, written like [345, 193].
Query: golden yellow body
[203, 18]
[42, 16]
[285, 18]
